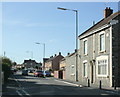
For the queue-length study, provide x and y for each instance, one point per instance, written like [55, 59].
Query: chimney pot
[75, 50]
[68, 53]
[59, 53]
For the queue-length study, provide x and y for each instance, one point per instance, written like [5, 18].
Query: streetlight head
[37, 43]
[61, 8]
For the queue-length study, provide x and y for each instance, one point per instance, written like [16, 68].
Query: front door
[92, 75]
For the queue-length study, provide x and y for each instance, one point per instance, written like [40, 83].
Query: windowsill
[73, 74]
[102, 51]
[85, 77]
[105, 76]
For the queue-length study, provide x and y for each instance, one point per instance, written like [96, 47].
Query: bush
[6, 67]
[7, 71]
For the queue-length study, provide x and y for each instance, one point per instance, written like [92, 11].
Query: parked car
[47, 73]
[13, 71]
[39, 73]
[30, 71]
[24, 72]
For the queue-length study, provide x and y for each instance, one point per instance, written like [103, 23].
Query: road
[30, 85]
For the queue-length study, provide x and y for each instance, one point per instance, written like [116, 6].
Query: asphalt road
[30, 85]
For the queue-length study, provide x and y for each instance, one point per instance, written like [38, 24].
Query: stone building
[100, 52]
[53, 62]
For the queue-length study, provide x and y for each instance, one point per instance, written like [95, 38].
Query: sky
[24, 23]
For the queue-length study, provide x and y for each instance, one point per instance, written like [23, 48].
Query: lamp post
[76, 12]
[43, 51]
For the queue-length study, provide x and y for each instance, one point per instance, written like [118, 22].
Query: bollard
[88, 82]
[114, 84]
[100, 85]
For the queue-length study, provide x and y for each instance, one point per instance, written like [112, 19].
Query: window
[85, 69]
[85, 47]
[102, 42]
[102, 65]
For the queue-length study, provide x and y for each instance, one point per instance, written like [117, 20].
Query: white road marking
[26, 93]
[19, 93]
[67, 83]
[22, 89]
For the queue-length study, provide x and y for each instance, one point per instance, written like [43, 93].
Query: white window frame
[101, 33]
[85, 70]
[100, 58]
[85, 52]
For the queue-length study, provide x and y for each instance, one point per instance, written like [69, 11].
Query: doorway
[92, 73]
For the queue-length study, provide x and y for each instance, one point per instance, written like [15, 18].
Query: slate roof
[101, 23]
[52, 58]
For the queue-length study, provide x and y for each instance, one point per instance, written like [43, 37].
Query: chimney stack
[59, 53]
[55, 54]
[75, 50]
[107, 12]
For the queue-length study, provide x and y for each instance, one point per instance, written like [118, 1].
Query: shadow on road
[33, 87]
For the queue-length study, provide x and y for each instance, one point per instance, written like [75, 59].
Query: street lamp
[43, 51]
[76, 12]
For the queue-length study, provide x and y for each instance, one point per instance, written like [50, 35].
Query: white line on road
[21, 89]
[19, 93]
[67, 83]
[26, 93]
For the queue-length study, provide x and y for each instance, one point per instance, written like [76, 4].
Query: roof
[25, 61]
[52, 58]
[101, 23]
[71, 54]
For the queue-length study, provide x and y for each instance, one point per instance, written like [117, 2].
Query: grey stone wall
[71, 67]
[116, 51]
[93, 53]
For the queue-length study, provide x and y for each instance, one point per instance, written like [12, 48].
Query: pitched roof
[52, 58]
[101, 23]
[25, 61]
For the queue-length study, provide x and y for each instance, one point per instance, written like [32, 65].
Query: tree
[6, 67]
[14, 63]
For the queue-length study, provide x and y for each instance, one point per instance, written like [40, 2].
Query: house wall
[48, 65]
[56, 62]
[56, 74]
[71, 68]
[62, 64]
[116, 51]
[94, 54]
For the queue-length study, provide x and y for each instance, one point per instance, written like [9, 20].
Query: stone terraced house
[100, 52]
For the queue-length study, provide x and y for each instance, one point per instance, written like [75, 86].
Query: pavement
[108, 89]
[9, 87]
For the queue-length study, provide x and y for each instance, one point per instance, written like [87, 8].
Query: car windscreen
[47, 72]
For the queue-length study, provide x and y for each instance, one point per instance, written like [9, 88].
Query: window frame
[85, 69]
[101, 58]
[85, 49]
[102, 33]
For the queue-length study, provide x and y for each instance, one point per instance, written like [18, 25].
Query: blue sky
[25, 23]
